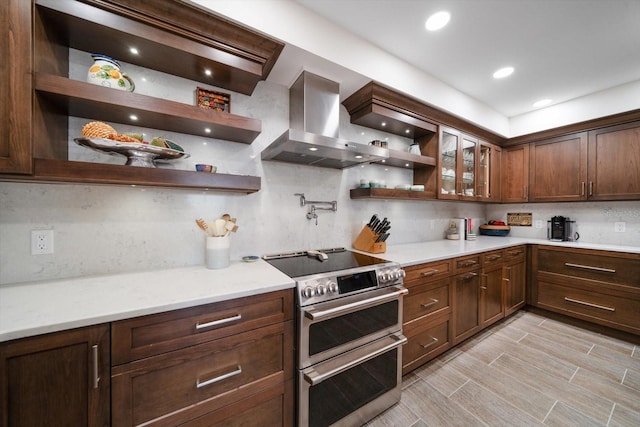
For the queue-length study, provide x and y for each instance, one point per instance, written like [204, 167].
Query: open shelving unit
[172, 37]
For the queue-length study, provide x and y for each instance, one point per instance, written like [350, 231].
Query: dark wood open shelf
[389, 193]
[237, 57]
[81, 99]
[408, 160]
[62, 171]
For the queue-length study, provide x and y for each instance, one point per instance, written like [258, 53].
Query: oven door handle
[316, 375]
[317, 315]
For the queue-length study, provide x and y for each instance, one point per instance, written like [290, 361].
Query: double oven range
[349, 334]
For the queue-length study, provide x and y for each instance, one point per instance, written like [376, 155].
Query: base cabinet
[597, 286]
[214, 363]
[466, 297]
[491, 288]
[426, 313]
[57, 379]
[514, 276]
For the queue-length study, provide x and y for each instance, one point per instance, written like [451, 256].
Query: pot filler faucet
[313, 214]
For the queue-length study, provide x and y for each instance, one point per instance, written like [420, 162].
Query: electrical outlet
[41, 242]
[539, 224]
[620, 227]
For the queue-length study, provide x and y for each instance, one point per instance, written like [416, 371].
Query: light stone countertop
[34, 308]
[418, 253]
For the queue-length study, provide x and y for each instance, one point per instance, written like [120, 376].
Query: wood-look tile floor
[525, 371]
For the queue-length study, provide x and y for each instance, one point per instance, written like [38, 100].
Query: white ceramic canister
[105, 71]
[217, 252]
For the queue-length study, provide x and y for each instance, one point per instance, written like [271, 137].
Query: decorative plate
[137, 154]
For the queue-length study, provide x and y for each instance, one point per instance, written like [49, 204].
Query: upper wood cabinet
[15, 87]
[515, 174]
[614, 163]
[488, 172]
[558, 169]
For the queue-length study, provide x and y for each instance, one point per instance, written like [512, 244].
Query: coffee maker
[561, 229]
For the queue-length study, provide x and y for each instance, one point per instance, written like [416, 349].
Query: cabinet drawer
[425, 299]
[610, 267]
[425, 341]
[616, 311]
[151, 335]
[492, 258]
[515, 254]
[185, 384]
[266, 409]
[467, 263]
[429, 271]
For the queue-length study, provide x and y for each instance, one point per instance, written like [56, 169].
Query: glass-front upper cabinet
[449, 139]
[458, 153]
[468, 176]
[488, 171]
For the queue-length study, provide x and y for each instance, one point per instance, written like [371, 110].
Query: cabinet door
[558, 169]
[515, 174]
[466, 318]
[491, 305]
[57, 379]
[467, 175]
[488, 176]
[15, 87]
[448, 177]
[614, 163]
[515, 280]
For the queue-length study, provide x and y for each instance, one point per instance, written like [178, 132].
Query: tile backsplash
[111, 229]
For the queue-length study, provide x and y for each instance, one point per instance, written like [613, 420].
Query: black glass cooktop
[300, 264]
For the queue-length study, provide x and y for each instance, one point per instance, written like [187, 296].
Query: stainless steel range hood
[314, 120]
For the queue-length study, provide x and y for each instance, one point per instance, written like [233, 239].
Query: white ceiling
[561, 49]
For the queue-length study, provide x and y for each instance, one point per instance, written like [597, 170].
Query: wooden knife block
[366, 241]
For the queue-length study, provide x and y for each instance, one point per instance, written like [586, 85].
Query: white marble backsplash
[113, 229]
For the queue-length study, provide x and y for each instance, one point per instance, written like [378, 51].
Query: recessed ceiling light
[358, 156]
[313, 149]
[503, 72]
[207, 130]
[383, 124]
[542, 103]
[407, 131]
[133, 117]
[133, 50]
[208, 72]
[407, 165]
[437, 21]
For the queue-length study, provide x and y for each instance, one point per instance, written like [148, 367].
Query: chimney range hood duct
[313, 138]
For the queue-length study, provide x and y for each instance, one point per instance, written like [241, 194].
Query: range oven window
[356, 282]
[340, 395]
[343, 329]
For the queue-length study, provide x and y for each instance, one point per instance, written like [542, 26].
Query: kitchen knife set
[380, 228]
[373, 236]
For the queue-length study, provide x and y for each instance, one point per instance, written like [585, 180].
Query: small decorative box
[217, 101]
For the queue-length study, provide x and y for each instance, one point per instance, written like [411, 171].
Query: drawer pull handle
[494, 257]
[469, 276]
[514, 253]
[218, 322]
[430, 273]
[589, 267]
[199, 384]
[589, 304]
[429, 304]
[96, 370]
[433, 341]
[467, 263]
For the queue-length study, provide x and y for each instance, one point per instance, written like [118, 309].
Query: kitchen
[108, 230]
